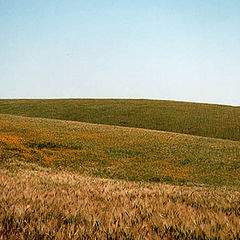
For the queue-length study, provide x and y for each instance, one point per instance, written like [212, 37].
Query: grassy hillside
[191, 118]
[55, 180]
[42, 203]
[121, 152]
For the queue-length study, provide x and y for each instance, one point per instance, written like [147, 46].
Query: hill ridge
[201, 119]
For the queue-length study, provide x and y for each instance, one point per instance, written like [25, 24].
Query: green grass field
[121, 152]
[208, 120]
[119, 169]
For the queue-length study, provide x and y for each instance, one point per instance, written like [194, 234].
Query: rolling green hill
[141, 183]
[208, 120]
[120, 152]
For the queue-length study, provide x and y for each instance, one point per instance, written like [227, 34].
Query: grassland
[121, 152]
[62, 179]
[207, 120]
[42, 203]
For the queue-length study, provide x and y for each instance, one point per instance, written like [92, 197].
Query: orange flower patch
[87, 135]
[11, 141]
[5, 122]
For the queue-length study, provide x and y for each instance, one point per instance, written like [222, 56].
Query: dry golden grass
[43, 203]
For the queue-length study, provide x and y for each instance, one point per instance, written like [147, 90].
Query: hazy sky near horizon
[185, 50]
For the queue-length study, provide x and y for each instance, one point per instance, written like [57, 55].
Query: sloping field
[190, 118]
[55, 182]
[120, 152]
[42, 203]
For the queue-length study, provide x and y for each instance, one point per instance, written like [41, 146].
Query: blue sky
[185, 50]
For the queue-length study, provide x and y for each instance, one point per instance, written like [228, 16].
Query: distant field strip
[120, 152]
[208, 120]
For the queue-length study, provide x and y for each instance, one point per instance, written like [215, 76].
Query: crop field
[45, 203]
[199, 119]
[66, 179]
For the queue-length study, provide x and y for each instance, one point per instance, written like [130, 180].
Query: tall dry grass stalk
[43, 203]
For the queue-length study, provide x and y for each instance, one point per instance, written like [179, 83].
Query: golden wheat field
[72, 180]
[42, 203]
